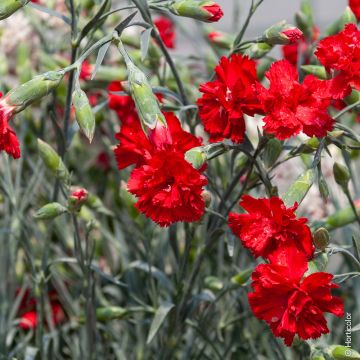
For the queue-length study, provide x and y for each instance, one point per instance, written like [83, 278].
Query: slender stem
[345, 110]
[353, 207]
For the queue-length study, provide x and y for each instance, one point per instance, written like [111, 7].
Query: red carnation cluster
[228, 98]
[291, 106]
[8, 139]
[288, 300]
[340, 54]
[168, 188]
[166, 30]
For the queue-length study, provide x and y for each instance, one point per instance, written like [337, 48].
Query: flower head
[341, 53]
[355, 7]
[168, 188]
[228, 98]
[167, 31]
[271, 230]
[8, 140]
[292, 107]
[215, 12]
[291, 303]
[205, 10]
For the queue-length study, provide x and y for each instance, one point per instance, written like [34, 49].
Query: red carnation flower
[136, 148]
[215, 12]
[292, 107]
[291, 303]
[122, 104]
[341, 53]
[28, 315]
[86, 70]
[271, 230]
[167, 31]
[168, 189]
[167, 186]
[8, 140]
[355, 7]
[228, 98]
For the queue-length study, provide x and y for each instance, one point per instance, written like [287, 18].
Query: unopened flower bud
[196, 157]
[323, 188]
[208, 11]
[33, 90]
[77, 198]
[52, 160]
[257, 50]
[220, 39]
[8, 7]
[321, 238]
[146, 102]
[342, 175]
[340, 352]
[213, 283]
[50, 211]
[206, 195]
[317, 70]
[282, 34]
[242, 277]
[84, 114]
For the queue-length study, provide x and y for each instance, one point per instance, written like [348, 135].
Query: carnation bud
[199, 155]
[321, 238]
[340, 352]
[323, 188]
[317, 70]
[304, 18]
[282, 34]
[50, 211]
[77, 198]
[8, 7]
[208, 11]
[105, 314]
[347, 17]
[213, 283]
[220, 39]
[206, 195]
[84, 114]
[146, 102]
[33, 90]
[242, 277]
[257, 50]
[341, 174]
[52, 160]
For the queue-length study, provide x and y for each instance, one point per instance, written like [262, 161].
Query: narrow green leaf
[299, 189]
[145, 42]
[100, 58]
[159, 318]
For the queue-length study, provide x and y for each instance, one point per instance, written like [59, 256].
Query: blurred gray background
[269, 12]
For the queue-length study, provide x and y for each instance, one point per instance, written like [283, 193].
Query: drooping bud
[321, 238]
[146, 102]
[282, 34]
[8, 7]
[77, 198]
[341, 174]
[220, 39]
[52, 160]
[33, 90]
[50, 211]
[84, 114]
[208, 11]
